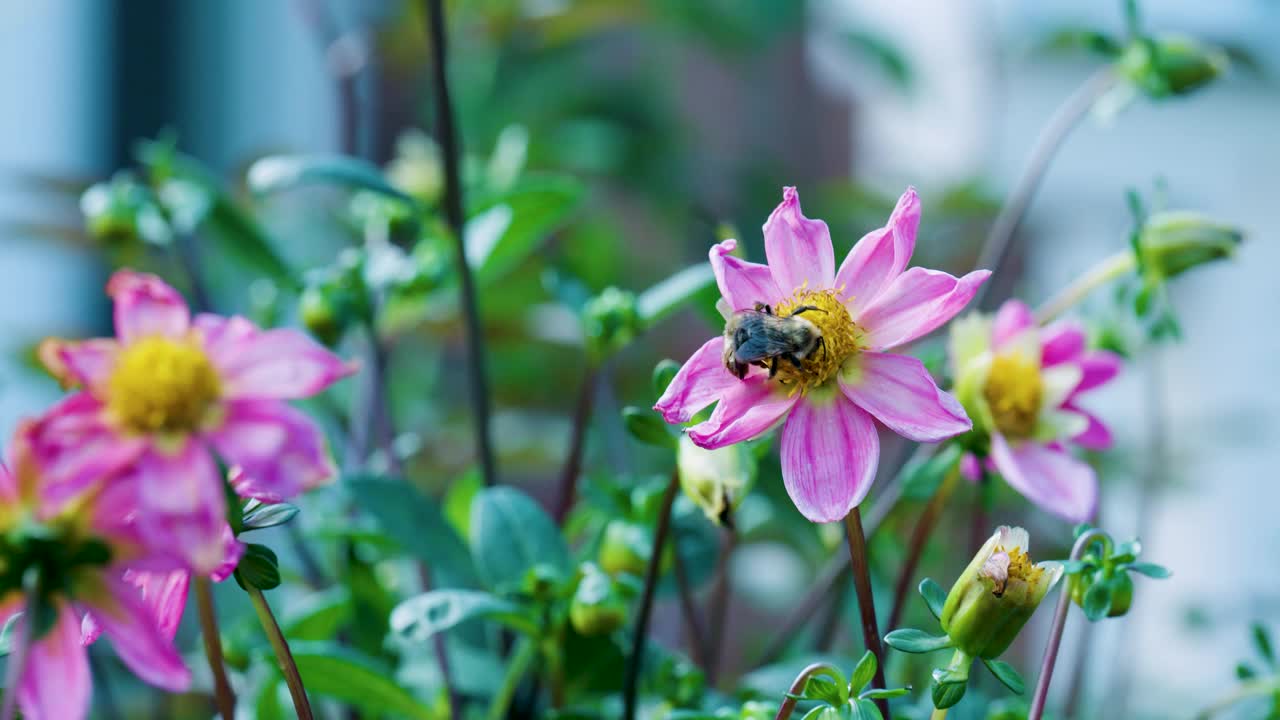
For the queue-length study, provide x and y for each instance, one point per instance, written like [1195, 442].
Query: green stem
[866, 601]
[797, 687]
[631, 682]
[222, 693]
[525, 652]
[939, 714]
[577, 443]
[1095, 277]
[284, 657]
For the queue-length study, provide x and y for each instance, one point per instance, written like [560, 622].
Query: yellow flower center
[1013, 392]
[1010, 567]
[841, 338]
[162, 386]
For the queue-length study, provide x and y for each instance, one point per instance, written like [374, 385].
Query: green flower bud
[1174, 242]
[597, 608]
[625, 548]
[320, 314]
[610, 321]
[996, 595]
[1171, 65]
[715, 480]
[122, 210]
[378, 213]
[417, 168]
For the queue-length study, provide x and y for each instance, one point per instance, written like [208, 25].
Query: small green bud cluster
[335, 298]
[610, 321]
[123, 210]
[1171, 65]
[1100, 580]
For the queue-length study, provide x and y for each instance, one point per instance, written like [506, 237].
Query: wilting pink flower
[871, 304]
[82, 547]
[1021, 384]
[171, 395]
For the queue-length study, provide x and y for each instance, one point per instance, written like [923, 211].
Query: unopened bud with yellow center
[996, 595]
[715, 480]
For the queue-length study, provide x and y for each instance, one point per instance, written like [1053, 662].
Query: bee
[759, 337]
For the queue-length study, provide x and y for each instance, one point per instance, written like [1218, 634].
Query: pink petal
[1098, 367]
[742, 284]
[137, 635]
[1012, 319]
[899, 392]
[799, 249]
[1095, 437]
[830, 451]
[1048, 477]
[165, 595]
[86, 364]
[747, 409]
[233, 550]
[276, 452]
[146, 306]
[700, 381]
[1061, 342]
[916, 303]
[75, 445]
[56, 684]
[183, 507]
[281, 363]
[881, 255]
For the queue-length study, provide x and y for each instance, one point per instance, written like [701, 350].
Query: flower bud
[996, 595]
[417, 168]
[610, 320]
[1174, 242]
[122, 210]
[597, 608]
[625, 548]
[715, 480]
[1171, 65]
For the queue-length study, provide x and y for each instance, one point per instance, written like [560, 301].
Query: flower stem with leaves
[284, 656]
[635, 662]
[866, 600]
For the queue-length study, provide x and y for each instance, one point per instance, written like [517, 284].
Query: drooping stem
[284, 656]
[453, 211]
[1068, 115]
[797, 687]
[222, 693]
[577, 441]
[1055, 630]
[866, 602]
[1108, 269]
[525, 652]
[719, 603]
[635, 663]
[919, 539]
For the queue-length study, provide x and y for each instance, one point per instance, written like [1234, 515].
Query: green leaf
[663, 373]
[1244, 671]
[885, 694]
[458, 499]
[667, 296]
[922, 480]
[258, 568]
[1151, 570]
[418, 618]
[648, 427]
[910, 640]
[1097, 601]
[1262, 641]
[825, 690]
[1127, 551]
[267, 706]
[504, 229]
[415, 522]
[947, 694]
[1075, 567]
[864, 709]
[265, 516]
[275, 173]
[318, 616]
[331, 670]
[509, 535]
[1005, 673]
[863, 671]
[934, 596]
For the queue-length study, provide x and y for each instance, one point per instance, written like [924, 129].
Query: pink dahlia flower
[871, 304]
[1022, 385]
[83, 550]
[171, 395]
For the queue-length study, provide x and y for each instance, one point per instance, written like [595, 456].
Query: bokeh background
[683, 120]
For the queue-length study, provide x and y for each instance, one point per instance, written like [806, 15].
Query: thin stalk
[1108, 269]
[525, 652]
[635, 662]
[1068, 115]
[577, 441]
[866, 602]
[1055, 631]
[689, 608]
[718, 606]
[797, 687]
[222, 693]
[452, 201]
[284, 656]
[919, 539]
[939, 714]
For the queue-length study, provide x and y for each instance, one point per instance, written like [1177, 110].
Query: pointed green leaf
[648, 427]
[415, 522]
[863, 671]
[317, 616]
[864, 709]
[911, 640]
[947, 694]
[1151, 570]
[934, 596]
[1075, 567]
[1097, 601]
[885, 694]
[510, 534]
[331, 670]
[1005, 673]
[663, 373]
[275, 173]
[1245, 671]
[825, 690]
[1262, 641]
[265, 516]
[667, 296]
[258, 568]
[503, 230]
[418, 618]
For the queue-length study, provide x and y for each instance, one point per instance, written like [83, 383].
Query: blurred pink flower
[871, 304]
[1022, 386]
[167, 398]
[83, 551]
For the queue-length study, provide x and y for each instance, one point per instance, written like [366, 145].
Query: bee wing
[763, 337]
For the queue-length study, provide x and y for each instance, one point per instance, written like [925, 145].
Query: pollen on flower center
[162, 386]
[841, 338]
[1013, 392]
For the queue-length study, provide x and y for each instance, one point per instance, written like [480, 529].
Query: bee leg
[794, 360]
[761, 307]
[740, 369]
[806, 308]
[773, 368]
[822, 343]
